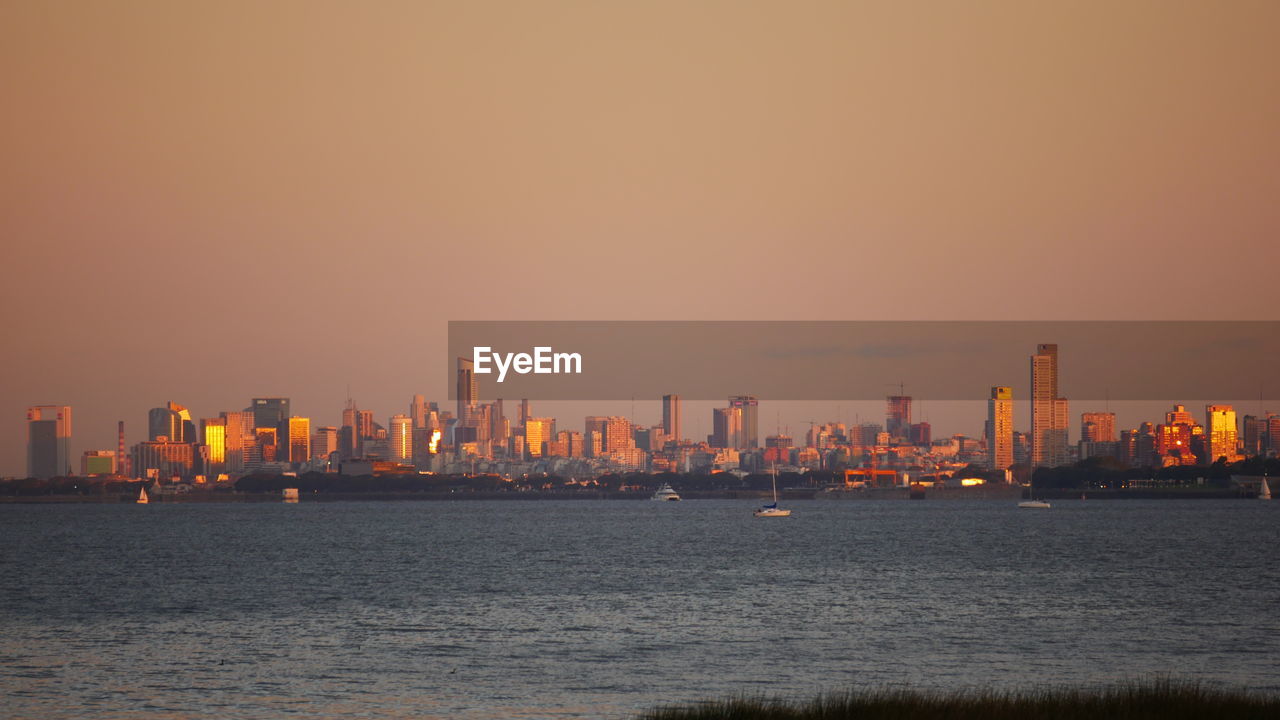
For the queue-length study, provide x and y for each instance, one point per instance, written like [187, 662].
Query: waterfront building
[48, 441]
[98, 462]
[1000, 428]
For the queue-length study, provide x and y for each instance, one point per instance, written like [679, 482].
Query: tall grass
[1150, 700]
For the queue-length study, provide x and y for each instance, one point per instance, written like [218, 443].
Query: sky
[205, 202]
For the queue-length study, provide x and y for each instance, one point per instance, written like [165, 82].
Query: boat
[290, 495]
[666, 494]
[1264, 492]
[772, 509]
[1033, 502]
[142, 497]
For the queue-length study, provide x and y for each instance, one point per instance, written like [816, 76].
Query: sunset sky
[204, 202]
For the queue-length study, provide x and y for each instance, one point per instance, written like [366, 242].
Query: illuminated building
[48, 441]
[1098, 427]
[749, 435]
[1175, 441]
[1179, 415]
[671, 417]
[98, 462]
[401, 438]
[239, 441]
[1221, 433]
[163, 459]
[726, 427]
[418, 411]
[267, 444]
[172, 421]
[1048, 410]
[214, 432]
[898, 417]
[921, 433]
[537, 433]
[1000, 428]
[299, 439]
[617, 434]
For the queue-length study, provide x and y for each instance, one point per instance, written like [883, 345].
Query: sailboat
[772, 509]
[1033, 503]
[142, 497]
[1264, 492]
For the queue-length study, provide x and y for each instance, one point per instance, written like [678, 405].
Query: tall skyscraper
[213, 433]
[299, 439]
[240, 441]
[1222, 433]
[538, 432]
[48, 441]
[324, 442]
[1048, 410]
[617, 434]
[468, 395]
[524, 411]
[1098, 427]
[1000, 428]
[671, 417]
[269, 412]
[400, 438]
[749, 437]
[418, 411]
[726, 427]
[172, 421]
[898, 416]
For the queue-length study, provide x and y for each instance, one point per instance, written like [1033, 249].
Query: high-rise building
[172, 421]
[1048, 410]
[213, 432]
[48, 441]
[749, 437]
[726, 427]
[1222, 433]
[269, 412]
[537, 433]
[671, 417]
[525, 413]
[898, 417]
[1098, 427]
[1000, 428]
[617, 434]
[467, 393]
[418, 411]
[324, 442]
[1179, 415]
[163, 459]
[299, 440]
[401, 438]
[1253, 433]
[240, 443]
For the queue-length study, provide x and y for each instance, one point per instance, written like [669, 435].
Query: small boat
[1264, 492]
[1033, 504]
[772, 509]
[290, 495]
[666, 494]
[142, 497]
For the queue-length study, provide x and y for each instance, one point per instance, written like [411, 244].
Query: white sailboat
[1264, 492]
[772, 509]
[142, 497]
[1033, 502]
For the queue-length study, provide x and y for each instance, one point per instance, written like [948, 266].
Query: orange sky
[202, 202]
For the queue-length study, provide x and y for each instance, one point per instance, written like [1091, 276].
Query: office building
[749, 436]
[269, 412]
[726, 427]
[48, 441]
[467, 392]
[400, 438]
[898, 417]
[324, 442]
[172, 421]
[1000, 428]
[671, 417]
[213, 433]
[1221, 433]
[1048, 410]
[299, 440]
[537, 433]
[1098, 427]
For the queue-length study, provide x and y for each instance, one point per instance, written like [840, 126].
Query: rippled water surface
[601, 608]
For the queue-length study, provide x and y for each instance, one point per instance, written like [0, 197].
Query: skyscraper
[1098, 427]
[898, 416]
[299, 439]
[467, 393]
[172, 421]
[269, 412]
[617, 434]
[401, 438]
[1000, 428]
[214, 436]
[1048, 410]
[418, 411]
[324, 441]
[749, 437]
[726, 427]
[48, 441]
[1222, 432]
[671, 417]
[537, 432]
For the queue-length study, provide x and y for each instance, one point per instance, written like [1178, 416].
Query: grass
[1150, 700]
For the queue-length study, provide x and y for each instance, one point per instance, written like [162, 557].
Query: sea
[605, 608]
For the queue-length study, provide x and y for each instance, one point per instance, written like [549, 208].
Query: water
[601, 608]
